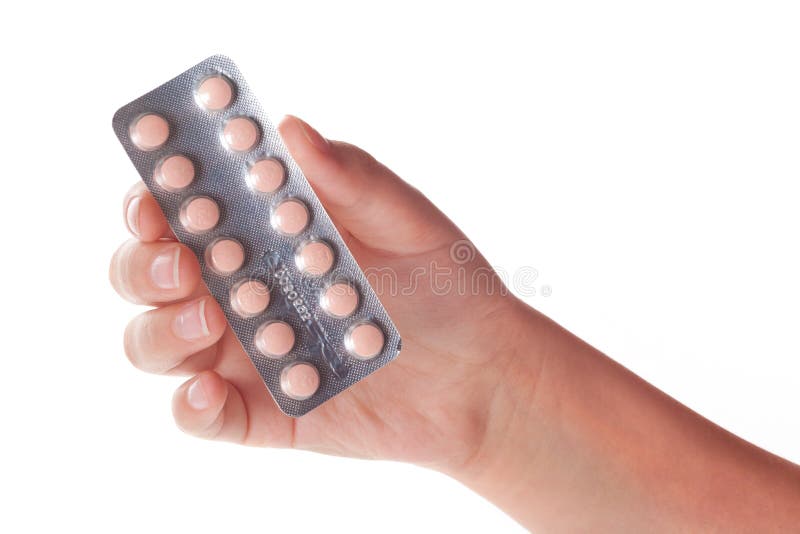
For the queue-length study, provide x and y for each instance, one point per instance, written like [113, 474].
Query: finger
[143, 216]
[367, 199]
[147, 273]
[209, 407]
[176, 339]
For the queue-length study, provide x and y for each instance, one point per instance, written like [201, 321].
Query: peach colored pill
[225, 256]
[214, 93]
[300, 380]
[240, 134]
[364, 341]
[149, 131]
[314, 258]
[266, 175]
[199, 214]
[290, 217]
[274, 339]
[249, 298]
[174, 173]
[339, 299]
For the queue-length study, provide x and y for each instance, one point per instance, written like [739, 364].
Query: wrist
[544, 452]
[528, 459]
[512, 412]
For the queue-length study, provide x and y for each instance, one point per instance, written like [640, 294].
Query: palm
[399, 411]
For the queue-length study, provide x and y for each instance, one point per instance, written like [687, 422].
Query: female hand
[485, 390]
[430, 406]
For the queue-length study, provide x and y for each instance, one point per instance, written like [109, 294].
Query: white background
[642, 156]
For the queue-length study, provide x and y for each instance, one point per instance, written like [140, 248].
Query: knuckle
[119, 271]
[138, 342]
[114, 275]
[212, 430]
[130, 343]
[189, 424]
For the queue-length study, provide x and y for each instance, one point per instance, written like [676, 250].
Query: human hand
[430, 406]
[485, 390]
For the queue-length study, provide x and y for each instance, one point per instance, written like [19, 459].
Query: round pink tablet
[240, 134]
[266, 175]
[149, 131]
[299, 380]
[339, 299]
[214, 93]
[274, 339]
[364, 340]
[174, 173]
[225, 256]
[249, 298]
[290, 217]
[199, 214]
[314, 258]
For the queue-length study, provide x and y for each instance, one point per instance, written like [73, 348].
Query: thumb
[365, 198]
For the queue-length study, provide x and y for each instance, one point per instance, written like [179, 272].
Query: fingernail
[196, 396]
[190, 323]
[132, 215]
[164, 269]
[313, 136]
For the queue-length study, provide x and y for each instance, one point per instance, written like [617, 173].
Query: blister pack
[297, 300]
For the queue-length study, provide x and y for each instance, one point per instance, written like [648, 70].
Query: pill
[174, 173]
[199, 214]
[300, 380]
[314, 258]
[364, 340]
[266, 175]
[225, 256]
[214, 93]
[249, 298]
[290, 217]
[274, 339]
[339, 299]
[149, 131]
[240, 134]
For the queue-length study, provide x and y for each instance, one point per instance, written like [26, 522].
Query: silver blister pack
[297, 300]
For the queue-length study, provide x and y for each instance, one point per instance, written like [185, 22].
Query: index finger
[143, 216]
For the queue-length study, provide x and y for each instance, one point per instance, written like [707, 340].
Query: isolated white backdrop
[643, 158]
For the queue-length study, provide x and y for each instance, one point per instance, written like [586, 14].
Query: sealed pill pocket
[299, 304]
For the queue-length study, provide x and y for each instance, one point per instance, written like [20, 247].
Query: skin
[486, 390]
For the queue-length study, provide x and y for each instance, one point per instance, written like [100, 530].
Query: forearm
[575, 442]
